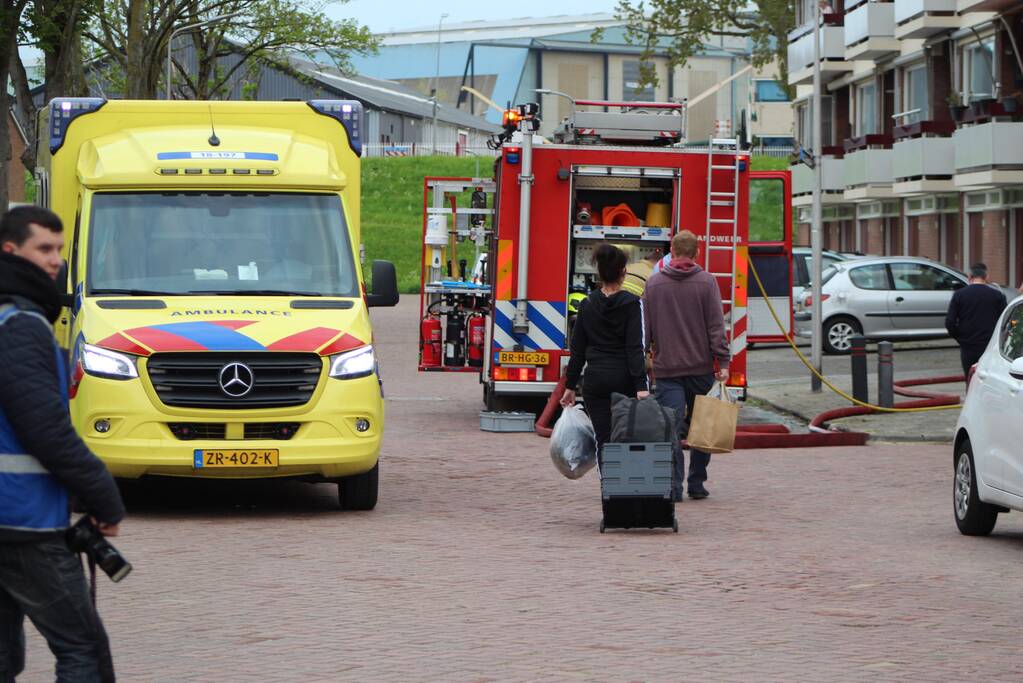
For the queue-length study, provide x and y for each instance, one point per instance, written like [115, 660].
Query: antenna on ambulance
[214, 140]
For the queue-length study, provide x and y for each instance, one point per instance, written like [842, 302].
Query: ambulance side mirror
[385, 285]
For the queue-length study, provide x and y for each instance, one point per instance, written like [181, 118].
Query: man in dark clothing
[42, 463]
[973, 314]
[686, 326]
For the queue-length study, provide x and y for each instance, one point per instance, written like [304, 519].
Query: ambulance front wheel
[359, 492]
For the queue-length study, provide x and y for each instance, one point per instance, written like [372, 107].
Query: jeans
[44, 581]
[679, 394]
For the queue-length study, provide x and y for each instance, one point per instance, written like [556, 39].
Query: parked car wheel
[838, 334]
[974, 517]
[359, 492]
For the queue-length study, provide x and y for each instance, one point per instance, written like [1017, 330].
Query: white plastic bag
[573, 443]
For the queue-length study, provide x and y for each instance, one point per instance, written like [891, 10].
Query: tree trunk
[136, 72]
[26, 109]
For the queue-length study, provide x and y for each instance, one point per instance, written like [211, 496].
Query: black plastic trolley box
[635, 486]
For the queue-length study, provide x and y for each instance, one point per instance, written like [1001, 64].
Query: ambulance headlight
[351, 364]
[104, 363]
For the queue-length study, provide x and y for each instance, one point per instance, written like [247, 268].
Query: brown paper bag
[712, 426]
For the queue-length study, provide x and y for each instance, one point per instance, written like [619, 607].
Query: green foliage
[679, 29]
[30, 188]
[392, 207]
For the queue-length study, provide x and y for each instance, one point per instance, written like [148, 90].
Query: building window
[978, 71]
[631, 79]
[866, 109]
[804, 123]
[915, 102]
[770, 91]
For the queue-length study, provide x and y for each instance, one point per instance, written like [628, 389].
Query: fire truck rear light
[515, 374]
[513, 155]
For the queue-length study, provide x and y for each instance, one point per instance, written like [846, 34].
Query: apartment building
[922, 129]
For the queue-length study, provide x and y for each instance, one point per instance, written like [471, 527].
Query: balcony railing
[920, 158]
[832, 176]
[870, 31]
[800, 55]
[922, 18]
[994, 146]
[868, 167]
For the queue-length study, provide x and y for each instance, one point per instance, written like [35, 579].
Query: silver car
[893, 297]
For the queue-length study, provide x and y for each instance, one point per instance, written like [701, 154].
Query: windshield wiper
[132, 292]
[254, 292]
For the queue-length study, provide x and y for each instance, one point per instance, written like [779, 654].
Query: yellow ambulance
[217, 320]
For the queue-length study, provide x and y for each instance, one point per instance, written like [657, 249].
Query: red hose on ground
[925, 400]
[543, 423]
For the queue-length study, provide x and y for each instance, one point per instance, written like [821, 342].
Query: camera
[85, 538]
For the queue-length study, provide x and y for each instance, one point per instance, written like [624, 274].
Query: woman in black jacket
[608, 338]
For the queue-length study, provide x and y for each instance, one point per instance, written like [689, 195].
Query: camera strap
[92, 580]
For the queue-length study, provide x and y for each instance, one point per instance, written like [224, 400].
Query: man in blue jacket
[42, 463]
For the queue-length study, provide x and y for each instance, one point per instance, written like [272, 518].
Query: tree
[55, 28]
[133, 36]
[10, 22]
[678, 29]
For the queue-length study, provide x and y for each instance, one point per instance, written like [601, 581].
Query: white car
[988, 457]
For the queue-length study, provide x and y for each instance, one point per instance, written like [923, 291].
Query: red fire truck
[504, 258]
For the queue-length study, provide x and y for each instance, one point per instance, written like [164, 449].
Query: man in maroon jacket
[686, 329]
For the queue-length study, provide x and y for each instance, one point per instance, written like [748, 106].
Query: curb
[872, 438]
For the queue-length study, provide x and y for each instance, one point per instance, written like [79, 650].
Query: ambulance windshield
[181, 243]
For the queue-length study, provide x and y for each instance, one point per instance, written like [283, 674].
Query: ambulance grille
[192, 380]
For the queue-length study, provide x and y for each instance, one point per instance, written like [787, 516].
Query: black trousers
[969, 355]
[598, 385]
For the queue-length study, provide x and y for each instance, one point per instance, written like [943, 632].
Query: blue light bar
[64, 110]
[349, 113]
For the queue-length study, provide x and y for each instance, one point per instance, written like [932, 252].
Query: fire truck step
[722, 194]
[720, 203]
[722, 220]
[718, 167]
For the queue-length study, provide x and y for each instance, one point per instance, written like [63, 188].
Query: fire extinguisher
[454, 339]
[429, 341]
[477, 328]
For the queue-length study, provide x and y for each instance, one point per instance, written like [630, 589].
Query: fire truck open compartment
[634, 208]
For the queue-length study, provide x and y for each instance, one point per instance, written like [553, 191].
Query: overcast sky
[385, 15]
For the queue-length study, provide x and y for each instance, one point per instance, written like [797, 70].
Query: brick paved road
[482, 563]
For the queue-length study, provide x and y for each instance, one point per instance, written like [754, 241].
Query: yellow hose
[822, 378]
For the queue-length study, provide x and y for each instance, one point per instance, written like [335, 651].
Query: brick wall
[994, 247]
[16, 172]
[874, 237]
[802, 236]
[927, 236]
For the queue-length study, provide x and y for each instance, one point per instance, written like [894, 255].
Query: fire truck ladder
[723, 211]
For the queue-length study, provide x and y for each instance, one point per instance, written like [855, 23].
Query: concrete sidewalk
[795, 399]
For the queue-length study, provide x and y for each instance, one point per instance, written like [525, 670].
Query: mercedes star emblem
[236, 379]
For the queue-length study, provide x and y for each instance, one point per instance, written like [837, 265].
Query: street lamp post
[174, 34]
[436, 83]
[816, 241]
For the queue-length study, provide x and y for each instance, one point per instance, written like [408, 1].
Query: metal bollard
[885, 375]
[858, 360]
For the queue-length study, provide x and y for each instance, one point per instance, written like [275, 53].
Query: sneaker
[698, 494]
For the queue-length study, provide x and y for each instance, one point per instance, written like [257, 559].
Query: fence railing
[419, 149]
